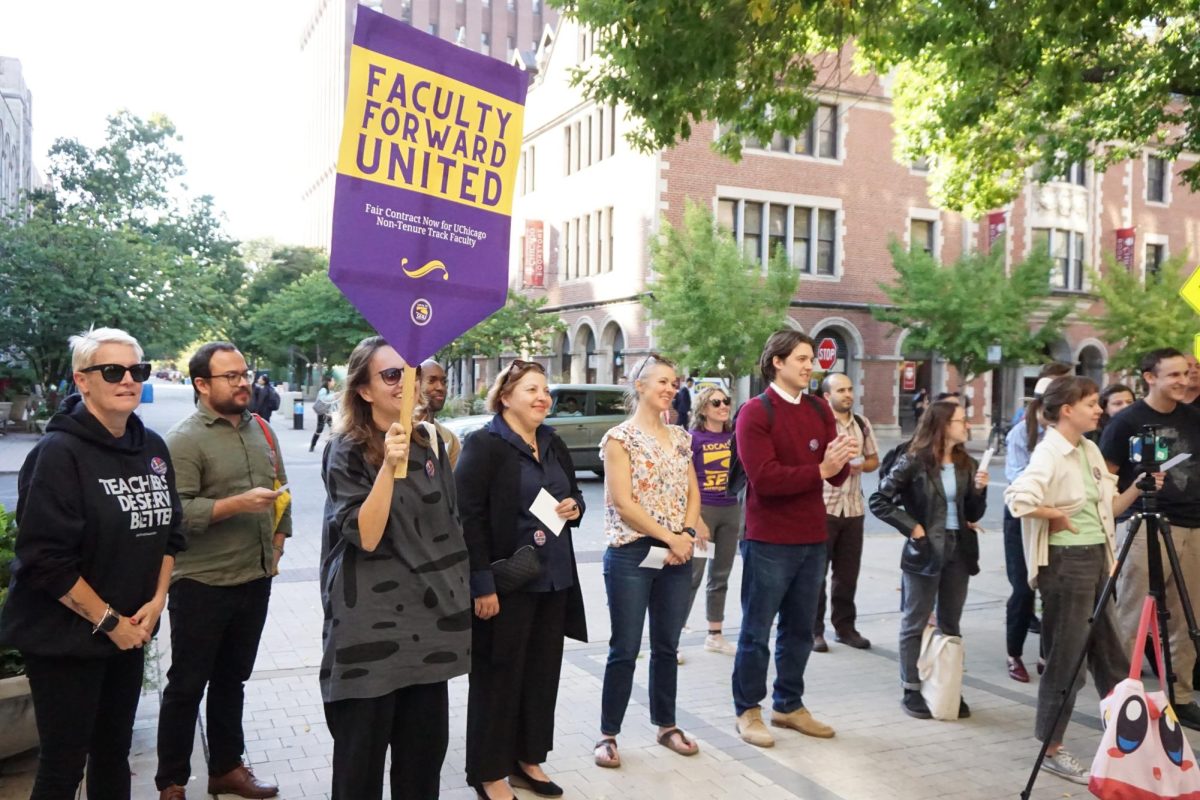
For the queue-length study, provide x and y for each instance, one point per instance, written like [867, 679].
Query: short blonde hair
[85, 344]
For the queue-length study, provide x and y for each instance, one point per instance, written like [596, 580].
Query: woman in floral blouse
[651, 511]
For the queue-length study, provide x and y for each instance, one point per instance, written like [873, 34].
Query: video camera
[1148, 449]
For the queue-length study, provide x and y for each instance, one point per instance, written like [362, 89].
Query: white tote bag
[940, 668]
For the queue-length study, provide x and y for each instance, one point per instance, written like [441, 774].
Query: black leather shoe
[540, 788]
[481, 793]
[819, 644]
[914, 705]
[1188, 715]
[853, 639]
[964, 710]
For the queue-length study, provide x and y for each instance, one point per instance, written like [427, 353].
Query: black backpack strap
[862, 424]
[769, 407]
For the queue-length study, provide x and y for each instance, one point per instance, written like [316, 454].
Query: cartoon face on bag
[1146, 729]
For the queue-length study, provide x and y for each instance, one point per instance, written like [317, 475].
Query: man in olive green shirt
[225, 470]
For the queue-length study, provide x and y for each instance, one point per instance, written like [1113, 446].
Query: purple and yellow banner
[426, 176]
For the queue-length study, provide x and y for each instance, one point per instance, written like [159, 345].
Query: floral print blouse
[659, 480]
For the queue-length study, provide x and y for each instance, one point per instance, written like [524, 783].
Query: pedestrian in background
[845, 512]
[99, 526]
[227, 464]
[1115, 397]
[1066, 499]
[264, 399]
[432, 401]
[932, 495]
[682, 404]
[323, 408]
[393, 586]
[712, 437]
[517, 636]
[650, 498]
[788, 442]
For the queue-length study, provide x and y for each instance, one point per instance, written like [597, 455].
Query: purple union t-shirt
[710, 454]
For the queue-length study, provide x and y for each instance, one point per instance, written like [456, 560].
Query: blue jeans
[783, 579]
[631, 591]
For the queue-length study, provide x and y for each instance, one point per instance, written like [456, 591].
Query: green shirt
[214, 460]
[1087, 519]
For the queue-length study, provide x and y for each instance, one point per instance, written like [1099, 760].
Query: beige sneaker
[801, 720]
[752, 730]
[716, 643]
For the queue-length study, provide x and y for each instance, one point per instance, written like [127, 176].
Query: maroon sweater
[785, 503]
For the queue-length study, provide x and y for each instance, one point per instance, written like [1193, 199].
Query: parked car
[581, 414]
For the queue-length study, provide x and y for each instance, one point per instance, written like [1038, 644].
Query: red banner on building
[1125, 239]
[535, 250]
[996, 228]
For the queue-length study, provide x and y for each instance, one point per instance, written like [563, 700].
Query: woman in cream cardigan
[1067, 501]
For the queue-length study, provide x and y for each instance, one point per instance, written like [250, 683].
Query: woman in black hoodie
[99, 525]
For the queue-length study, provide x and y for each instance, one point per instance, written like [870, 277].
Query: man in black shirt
[1165, 371]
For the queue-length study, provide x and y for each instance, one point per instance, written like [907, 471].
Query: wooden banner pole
[407, 400]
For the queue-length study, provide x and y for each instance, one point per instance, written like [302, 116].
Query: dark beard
[231, 406]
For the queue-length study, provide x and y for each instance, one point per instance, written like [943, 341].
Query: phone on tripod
[1148, 448]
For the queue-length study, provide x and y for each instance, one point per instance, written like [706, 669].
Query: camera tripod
[1157, 528]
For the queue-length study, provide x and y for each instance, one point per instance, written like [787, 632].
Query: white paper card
[698, 553]
[543, 508]
[655, 559]
[986, 459]
[1174, 462]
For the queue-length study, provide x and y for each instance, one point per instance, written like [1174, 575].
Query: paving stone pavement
[878, 752]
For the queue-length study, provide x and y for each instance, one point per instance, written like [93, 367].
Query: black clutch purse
[517, 570]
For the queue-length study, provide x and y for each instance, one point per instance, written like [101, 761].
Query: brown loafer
[241, 781]
[819, 644]
[173, 792]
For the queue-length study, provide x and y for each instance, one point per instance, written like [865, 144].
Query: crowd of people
[442, 558]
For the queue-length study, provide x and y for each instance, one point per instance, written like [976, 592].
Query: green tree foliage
[115, 241]
[985, 90]
[1141, 316]
[958, 310]
[310, 316]
[519, 327]
[714, 307]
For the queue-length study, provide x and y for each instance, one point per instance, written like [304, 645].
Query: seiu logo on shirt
[146, 498]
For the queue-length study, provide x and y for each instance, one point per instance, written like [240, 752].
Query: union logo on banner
[1125, 239]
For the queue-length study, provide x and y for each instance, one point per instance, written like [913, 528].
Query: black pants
[214, 641]
[84, 709]
[413, 721]
[844, 546]
[516, 658]
[1019, 610]
[321, 420]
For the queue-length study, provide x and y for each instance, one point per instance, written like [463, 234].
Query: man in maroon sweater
[788, 451]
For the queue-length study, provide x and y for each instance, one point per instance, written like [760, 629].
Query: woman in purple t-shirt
[712, 436]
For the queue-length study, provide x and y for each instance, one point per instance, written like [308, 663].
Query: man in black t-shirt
[1166, 373]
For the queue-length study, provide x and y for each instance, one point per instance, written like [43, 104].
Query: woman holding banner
[651, 511]
[505, 470]
[393, 576]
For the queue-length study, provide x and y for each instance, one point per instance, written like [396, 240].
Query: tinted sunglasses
[115, 373]
[392, 375]
[717, 402]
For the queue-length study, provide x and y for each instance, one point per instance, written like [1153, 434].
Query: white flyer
[1174, 462]
[697, 552]
[656, 558]
[986, 459]
[543, 508]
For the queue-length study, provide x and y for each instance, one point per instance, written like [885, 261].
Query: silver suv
[581, 414]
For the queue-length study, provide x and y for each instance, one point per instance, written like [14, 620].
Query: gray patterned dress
[401, 615]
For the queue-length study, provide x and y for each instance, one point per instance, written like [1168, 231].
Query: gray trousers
[919, 594]
[1070, 586]
[1134, 582]
[724, 524]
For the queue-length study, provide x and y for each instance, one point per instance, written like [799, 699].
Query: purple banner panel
[426, 178]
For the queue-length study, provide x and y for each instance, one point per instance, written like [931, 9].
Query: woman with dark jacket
[933, 495]
[516, 652]
[393, 586]
[99, 526]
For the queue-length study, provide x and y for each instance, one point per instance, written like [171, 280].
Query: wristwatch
[690, 532]
[107, 623]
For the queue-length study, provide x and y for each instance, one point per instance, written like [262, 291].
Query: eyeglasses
[963, 420]
[233, 378]
[115, 373]
[392, 375]
[652, 358]
[717, 402]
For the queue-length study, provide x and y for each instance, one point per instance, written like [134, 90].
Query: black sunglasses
[115, 373]
[717, 402]
[392, 375]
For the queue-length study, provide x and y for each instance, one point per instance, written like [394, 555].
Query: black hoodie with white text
[93, 506]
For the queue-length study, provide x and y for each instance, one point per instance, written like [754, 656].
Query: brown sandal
[675, 741]
[610, 758]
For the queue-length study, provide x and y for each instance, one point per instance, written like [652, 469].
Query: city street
[878, 752]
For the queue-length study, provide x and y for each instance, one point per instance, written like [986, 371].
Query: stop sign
[826, 353]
